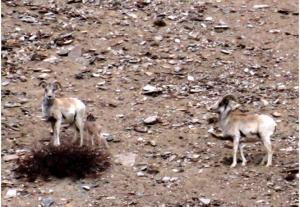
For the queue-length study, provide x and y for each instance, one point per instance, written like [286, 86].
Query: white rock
[151, 119]
[208, 19]
[11, 193]
[43, 76]
[52, 59]
[158, 38]
[190, 78]
[261, 6]
[205, 201]
[140, 174]
[166, 179]
[126, 159]
[149, 88]
[276, 114]
[86, 187]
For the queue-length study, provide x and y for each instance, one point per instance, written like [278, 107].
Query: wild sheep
[236, 124]
[93, 132]
[62, 110]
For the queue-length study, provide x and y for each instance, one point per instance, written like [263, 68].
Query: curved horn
[229, 97]
[43, 84]
[57, 85]
[225, 100]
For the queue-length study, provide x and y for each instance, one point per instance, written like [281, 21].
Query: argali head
[50, 89]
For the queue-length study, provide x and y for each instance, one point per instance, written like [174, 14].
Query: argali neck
[223, 116]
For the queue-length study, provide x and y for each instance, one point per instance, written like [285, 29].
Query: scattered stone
[107, 136]
[227, 52]
[140, 174]
[151, 120]
[8, 158]
[63, 52]
[190, 78]
[43, 76]
[126, 159]
[166, 179]
[52, 59]
[29, 19]
[140, 129]
[205, 201]
[11, 104]
[75, 52]
[47, 202]
[5, 82]
[261, 6]
[222, 27]
[11, 193]
[276, 114]
[152, 143]
[86, 187]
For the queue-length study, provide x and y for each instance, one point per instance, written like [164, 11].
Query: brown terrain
[149, 70]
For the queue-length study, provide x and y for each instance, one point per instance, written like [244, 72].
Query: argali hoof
[268, 165]
[56, 144]
[232, 165]
[244, 164]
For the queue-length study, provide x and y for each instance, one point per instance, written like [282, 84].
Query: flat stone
[11, 193]
[151, 119]
[8, 158]
[126, 159]
[205, 201]
[47, 202]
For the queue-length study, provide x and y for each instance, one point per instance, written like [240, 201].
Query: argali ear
[56, 85]
[43, 84]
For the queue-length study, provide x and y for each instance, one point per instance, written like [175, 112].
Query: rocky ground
[149, 70]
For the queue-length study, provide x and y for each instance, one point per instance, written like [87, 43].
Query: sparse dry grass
[66, 160]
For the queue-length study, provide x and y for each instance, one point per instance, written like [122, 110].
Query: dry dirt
[113, 51]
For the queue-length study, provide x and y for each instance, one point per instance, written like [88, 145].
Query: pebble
[261, 6]
[63, 52]
[86, 187]
[126, 159]
[43, 76]
[47, 202]
[11, 193]
[7, 158]
[166, 179]
[52, 59]
[204, 201]
[140, 174]
[151, 119]
[152, 143]
[190, 78]
[276, 114]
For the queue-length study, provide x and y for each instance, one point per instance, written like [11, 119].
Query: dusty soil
[114, 50]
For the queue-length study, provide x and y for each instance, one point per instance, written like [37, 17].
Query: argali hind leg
[236, 141]
[268, 146]
[241, 148]
[79, 122]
